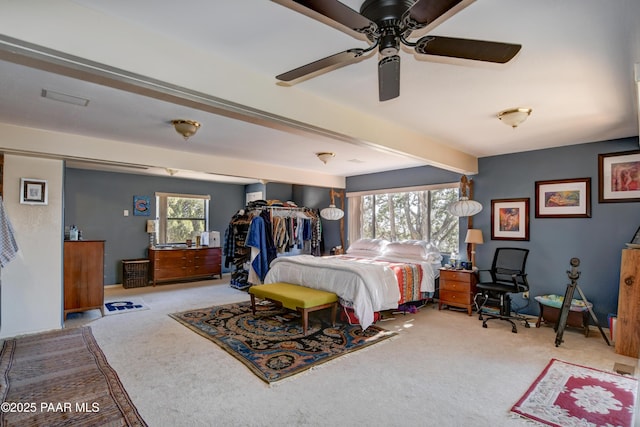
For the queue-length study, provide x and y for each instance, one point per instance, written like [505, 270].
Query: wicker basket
[135, 273]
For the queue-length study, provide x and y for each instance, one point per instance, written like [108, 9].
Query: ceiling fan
[388, 24]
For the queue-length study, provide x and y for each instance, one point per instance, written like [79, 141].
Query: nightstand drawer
[460, 276]
[455, 297]
[449, 285]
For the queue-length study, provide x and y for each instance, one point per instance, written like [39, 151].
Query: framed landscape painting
[619, 177]
[510, 219]
[563, 198]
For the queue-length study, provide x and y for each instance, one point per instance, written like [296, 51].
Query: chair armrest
[523, 284]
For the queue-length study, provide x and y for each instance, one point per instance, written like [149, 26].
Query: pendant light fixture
[464, 206]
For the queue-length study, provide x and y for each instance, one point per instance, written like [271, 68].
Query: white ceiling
[575, 70]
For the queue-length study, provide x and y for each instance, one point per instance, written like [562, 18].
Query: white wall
[32, 293]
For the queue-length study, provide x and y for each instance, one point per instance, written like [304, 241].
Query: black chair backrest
[506, 263]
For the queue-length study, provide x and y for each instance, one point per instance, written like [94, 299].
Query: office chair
[493, 299]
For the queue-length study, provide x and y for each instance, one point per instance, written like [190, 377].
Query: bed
[373, 276]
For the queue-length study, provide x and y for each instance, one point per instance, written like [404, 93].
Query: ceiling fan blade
[335, 11]
[389, 77]
[323, 65]
[426, 12]
[477, 50]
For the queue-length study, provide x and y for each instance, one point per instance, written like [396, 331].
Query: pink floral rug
[567, 395]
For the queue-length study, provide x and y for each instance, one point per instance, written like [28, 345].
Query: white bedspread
[369, 287]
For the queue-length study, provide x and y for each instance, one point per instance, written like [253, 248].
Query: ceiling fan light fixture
[514, 117]
[186, 128]
[325, 156]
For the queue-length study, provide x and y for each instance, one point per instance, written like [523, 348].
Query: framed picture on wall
[563, 198]
[33, 191]
[510, 219]
[141, 205]
[619, 177]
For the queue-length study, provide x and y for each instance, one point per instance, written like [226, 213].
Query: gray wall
[596, 241]
[95, 202]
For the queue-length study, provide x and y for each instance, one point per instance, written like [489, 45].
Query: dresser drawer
[449, 285]
[460, 276]
[449, 297]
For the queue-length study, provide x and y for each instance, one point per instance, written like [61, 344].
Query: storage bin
[135, 273]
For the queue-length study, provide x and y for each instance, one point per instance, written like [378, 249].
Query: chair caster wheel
[526, 325]
[484, 325]
[514, 330]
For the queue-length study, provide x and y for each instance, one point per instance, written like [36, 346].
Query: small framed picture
[563, 198]
[141, 206]
[33, 191]
[619, 177]
[510, 219]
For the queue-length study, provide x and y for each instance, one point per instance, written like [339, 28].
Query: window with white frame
[416, 213]
[181, 216]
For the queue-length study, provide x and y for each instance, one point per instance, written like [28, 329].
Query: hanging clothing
[8, 246]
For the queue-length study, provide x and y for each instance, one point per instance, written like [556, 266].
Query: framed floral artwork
[563, 198]
[510, 219]
[33, 191]
[619, 177]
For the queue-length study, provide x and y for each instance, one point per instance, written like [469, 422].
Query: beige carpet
[443, 369]
[61, 378]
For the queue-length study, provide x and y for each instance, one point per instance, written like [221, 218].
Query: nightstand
[457, 288]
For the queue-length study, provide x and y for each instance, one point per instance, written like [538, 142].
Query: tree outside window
[407, 215]
[181, 217]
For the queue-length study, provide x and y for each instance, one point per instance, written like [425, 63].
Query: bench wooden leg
[253, 304]
[305, 320]
[334, 312]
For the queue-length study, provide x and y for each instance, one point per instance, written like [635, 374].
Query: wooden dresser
[174, 264]
[83, 276]
[627, 330]
[457, 288]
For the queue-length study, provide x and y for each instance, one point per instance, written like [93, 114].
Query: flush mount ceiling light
[325, 156]
[186, 128]
[514, 116]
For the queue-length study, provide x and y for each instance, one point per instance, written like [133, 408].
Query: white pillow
[413, 250]
[407, 249]
[367, 247]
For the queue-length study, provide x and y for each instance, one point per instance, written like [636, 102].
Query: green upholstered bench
[296, 297]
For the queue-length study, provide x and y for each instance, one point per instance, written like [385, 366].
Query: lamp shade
[464, 207]
[332, 213]
[474, 235]
[151, 226]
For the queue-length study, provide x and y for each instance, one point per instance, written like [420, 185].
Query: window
[181, 216]
[401, 214]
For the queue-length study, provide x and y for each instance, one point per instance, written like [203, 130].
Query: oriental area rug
[61, 378]
[567, 395]
[271, 343]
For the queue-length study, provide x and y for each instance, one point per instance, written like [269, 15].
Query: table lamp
[474, 236]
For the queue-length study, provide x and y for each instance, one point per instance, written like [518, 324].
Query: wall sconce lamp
[514, 116]
[474, 237]
[332, 213]
[464, 206]
[186, 128]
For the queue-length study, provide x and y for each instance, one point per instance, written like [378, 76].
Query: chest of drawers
[173, 264]
[457, 288]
